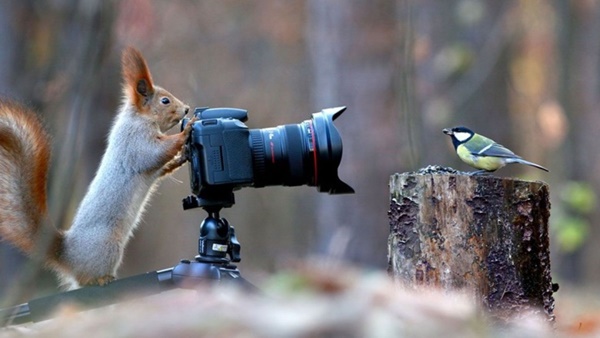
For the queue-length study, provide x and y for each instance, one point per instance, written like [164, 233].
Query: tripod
[216, 241]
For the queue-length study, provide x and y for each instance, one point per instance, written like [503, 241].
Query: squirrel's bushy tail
[24, 163]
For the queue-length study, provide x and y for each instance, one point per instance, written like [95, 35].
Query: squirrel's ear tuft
[137, 80]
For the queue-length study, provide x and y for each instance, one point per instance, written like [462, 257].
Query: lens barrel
[307, 153]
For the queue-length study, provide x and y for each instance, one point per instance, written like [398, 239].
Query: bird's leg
[478, 172]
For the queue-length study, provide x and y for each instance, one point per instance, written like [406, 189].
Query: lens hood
[328, 152]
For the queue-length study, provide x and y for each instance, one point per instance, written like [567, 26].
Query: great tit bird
[481, 152]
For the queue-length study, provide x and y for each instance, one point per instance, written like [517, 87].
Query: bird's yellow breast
[479, 162]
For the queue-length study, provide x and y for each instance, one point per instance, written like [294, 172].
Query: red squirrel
[137, 155]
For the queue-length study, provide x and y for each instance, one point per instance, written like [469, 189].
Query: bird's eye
[165, 100]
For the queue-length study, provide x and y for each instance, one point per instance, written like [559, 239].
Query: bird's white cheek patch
[461, 136]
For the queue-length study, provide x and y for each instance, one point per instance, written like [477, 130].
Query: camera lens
[308, 153]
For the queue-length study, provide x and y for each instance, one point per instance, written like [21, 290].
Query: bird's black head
[459, 135]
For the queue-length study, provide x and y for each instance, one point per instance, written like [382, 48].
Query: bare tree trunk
[340, 39]
[484, 234]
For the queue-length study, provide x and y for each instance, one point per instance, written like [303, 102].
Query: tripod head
[217, 240]
[217, 237]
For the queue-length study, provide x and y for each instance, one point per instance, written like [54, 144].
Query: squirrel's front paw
[188, 126]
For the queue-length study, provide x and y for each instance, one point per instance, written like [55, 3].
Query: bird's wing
[497, 150]
[487, 147]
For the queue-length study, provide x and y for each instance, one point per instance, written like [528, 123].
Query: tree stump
[484, 234]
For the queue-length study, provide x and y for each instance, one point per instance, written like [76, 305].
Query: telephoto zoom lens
[307, 153]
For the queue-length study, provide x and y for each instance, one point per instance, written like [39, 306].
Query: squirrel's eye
[165, 100]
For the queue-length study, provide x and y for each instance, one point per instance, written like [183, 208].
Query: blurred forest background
[523, 72]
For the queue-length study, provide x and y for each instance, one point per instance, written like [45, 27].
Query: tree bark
[484, 234]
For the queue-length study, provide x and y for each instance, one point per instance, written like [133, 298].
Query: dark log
[483, 234]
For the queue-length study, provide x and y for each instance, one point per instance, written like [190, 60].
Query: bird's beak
[447, 131]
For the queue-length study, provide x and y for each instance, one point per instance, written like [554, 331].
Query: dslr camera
[225, 155]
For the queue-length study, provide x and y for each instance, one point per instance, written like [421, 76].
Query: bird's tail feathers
[522, 161]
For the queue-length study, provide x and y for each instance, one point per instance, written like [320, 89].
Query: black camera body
[225, 155]
[218, 149]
